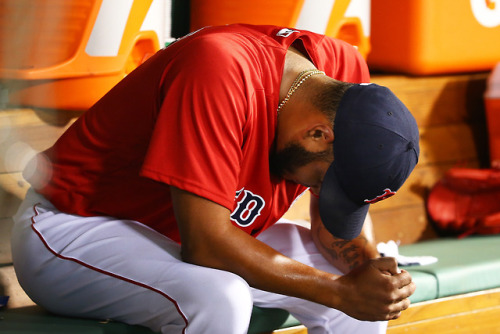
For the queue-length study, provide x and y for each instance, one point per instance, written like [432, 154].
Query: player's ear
[320, 132]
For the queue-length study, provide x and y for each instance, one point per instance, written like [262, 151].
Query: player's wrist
[329, 291]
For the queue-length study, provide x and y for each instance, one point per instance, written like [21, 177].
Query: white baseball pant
[108, 268]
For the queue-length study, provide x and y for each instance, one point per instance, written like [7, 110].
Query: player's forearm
[264, 268]
[372, 291]
[345, 255]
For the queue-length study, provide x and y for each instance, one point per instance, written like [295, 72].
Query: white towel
[391, 249]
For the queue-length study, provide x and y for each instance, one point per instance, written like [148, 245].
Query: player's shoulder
[263, 35]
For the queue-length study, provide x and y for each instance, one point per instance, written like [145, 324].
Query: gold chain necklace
[299, 80]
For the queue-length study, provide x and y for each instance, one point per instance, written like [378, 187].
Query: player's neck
[295, 62]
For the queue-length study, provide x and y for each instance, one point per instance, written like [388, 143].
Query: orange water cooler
[344, 19]
[67, 54]
[423, 37]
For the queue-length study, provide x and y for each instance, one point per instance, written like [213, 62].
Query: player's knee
[230, 306]
[231, 296]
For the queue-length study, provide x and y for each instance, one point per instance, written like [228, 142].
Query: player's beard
[294, 156]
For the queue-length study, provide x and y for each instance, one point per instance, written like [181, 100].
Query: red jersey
[199, 115]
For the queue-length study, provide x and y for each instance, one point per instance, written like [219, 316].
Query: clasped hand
[376, 290]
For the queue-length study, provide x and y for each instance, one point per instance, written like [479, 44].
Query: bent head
[375, 147]
[305, 157]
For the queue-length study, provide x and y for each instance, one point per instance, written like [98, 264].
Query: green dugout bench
[465, 282]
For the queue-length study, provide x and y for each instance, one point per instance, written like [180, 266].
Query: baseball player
[159, 205]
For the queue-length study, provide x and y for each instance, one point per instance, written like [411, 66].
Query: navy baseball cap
[375, 149]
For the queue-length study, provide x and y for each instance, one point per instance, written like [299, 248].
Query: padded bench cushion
[427, 287]
[34, 320]
[464, 265]
[268, 319]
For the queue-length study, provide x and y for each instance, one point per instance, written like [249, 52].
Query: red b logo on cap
[387, 193]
